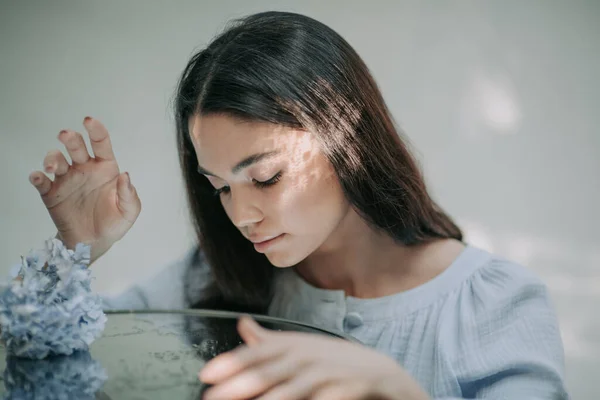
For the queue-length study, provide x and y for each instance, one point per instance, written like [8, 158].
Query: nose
[242, 211]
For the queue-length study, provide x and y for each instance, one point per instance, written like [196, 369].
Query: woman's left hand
[296, 366]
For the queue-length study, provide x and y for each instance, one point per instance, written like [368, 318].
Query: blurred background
[500, 99]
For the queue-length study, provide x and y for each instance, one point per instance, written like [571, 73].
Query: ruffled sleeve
[508, 343]
[174, 287]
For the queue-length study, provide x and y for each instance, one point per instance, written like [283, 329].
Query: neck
[366, 263]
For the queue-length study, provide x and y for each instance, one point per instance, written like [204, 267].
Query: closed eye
[259, 184]
[224, 189]
[268, 182]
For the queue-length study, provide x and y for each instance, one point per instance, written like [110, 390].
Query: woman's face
[275, 184]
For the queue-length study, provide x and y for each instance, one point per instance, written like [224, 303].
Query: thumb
[128, 200]
[250, 331]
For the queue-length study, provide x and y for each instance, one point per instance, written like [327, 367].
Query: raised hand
[89, 200]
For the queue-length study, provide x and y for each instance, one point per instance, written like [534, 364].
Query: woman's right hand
[89, 201]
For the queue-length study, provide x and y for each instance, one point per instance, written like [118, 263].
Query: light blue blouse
[484, 328]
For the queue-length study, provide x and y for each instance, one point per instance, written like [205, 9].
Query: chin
[283, 260]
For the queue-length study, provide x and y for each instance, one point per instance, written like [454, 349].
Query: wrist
[97, 248]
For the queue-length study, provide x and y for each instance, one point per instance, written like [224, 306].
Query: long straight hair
[289, 69]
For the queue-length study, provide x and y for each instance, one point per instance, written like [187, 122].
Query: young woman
[308, 206]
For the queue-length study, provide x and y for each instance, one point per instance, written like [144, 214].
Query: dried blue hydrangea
[50, 309]
[77, 376]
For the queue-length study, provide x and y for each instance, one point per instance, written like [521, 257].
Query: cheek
[311, 203]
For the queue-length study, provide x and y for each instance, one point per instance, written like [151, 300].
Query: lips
[261, 239]
[263, 244]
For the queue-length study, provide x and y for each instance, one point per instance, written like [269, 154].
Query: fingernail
[34, 179]
[128, 179]
[87, 119]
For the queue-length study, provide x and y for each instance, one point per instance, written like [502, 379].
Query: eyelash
[261, 185]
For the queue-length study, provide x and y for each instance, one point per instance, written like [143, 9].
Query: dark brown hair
[292, 70]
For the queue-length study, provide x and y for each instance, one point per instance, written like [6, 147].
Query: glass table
[141, 355]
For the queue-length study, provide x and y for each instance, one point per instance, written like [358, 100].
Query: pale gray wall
[500, 98]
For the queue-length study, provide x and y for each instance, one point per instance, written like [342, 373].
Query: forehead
[224, 137]
[207, 130]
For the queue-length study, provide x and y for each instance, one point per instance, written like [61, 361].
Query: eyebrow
[245, 163]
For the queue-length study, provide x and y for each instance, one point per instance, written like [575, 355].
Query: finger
[302, 386]
[342, 390]
[257, 380]
[56, 163]
[75, 146]
[99, 138]
[128, 200]
[231, 363]
[250, 331]
[41, 182]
